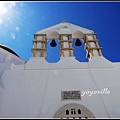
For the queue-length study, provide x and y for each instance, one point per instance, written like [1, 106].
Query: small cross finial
[64, 21]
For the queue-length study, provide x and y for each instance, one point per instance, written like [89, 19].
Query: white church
[64, 89]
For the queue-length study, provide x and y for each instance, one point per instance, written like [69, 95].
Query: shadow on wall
[53, 51]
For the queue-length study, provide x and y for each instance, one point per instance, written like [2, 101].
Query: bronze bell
[78, 42]
[53, 43]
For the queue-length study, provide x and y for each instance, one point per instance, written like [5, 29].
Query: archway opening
[79, 52]
[73, 110]
[53, 51]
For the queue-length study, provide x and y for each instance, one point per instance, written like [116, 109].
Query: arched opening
[73, 111]
[79, 111]
[79, 52]
[53, 51]
[67, 112]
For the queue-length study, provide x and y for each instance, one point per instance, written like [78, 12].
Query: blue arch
[79, 52]
[53, 53]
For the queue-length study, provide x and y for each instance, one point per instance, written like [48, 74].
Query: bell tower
[65, 33]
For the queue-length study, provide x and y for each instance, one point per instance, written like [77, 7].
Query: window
[69, 95]
[67, 112]
[73, 111]
[79, 111]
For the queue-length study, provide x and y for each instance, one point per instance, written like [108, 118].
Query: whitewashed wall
[34, 90]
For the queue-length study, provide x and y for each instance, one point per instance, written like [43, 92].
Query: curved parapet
[52, 35]
[77, 34]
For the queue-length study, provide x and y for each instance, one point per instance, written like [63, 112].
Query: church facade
[64, 89]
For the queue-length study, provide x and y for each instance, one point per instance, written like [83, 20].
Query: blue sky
[22, 20]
